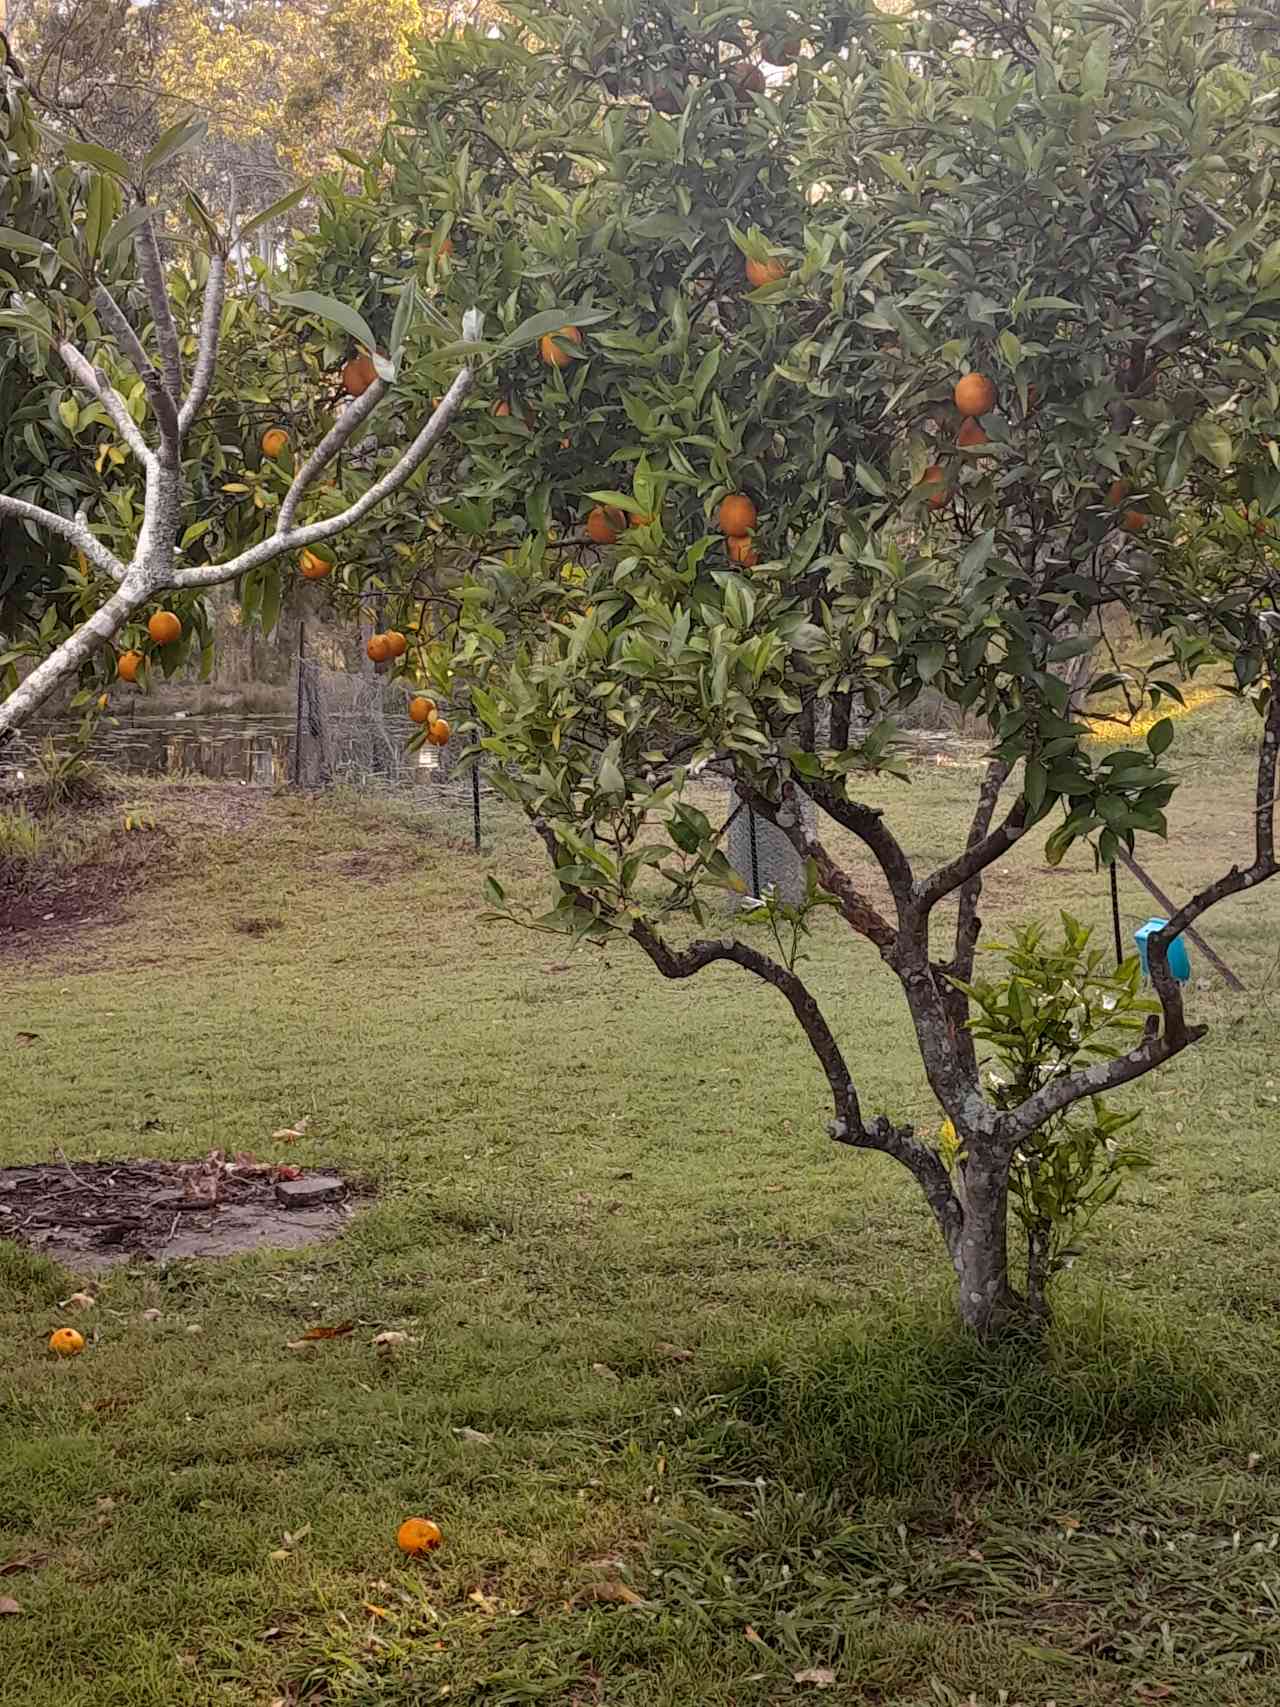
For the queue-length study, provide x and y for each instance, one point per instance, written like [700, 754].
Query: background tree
[1007, 344]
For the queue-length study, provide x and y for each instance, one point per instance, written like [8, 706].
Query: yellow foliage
[304, 78]
[1115, 729]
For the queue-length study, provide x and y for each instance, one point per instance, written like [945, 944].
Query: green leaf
[124, 228]
[330, 309]
[1074, 647]
[551, 320]
[1097, 65]
[272, 212]
[91, 154]
[174, 141]
[20, 244]
[1212, 440]
[1269, 265]
[930, 659]
[406, 308]
[1160, 735]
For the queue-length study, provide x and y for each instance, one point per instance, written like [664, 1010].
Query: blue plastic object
[1179, 960]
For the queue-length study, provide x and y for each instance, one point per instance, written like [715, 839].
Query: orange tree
[1012, 308]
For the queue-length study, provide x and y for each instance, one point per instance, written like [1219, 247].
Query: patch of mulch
[87, 895]
[91, 1215]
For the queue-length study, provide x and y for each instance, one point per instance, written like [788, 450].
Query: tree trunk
[989, 1306]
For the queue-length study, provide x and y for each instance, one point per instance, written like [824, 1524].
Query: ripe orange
[421, 709]
[1133, 521]
[765, 272]
[971, 435]
[312, 567]
[418, 1535]
[934, 477]
[397, 642]
[164, 628]
[66, 1342]
[551, 347]
[1117, 492]
[604, 525]
[501, 408]
[274, 440]
[127, 666]
[742, 551]
[737, 515]
[974, 395]
[438, 732]
[378, 648]
[358, 375]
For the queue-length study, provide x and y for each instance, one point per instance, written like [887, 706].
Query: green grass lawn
[583, 1174]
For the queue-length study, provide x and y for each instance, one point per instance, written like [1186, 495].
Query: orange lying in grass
[66, 1342]
[418, 1535]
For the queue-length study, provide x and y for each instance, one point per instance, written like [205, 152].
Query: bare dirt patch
[91, 1215]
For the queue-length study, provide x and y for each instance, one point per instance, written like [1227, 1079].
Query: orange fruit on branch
[378, 648]
[971, 435]
[1133, 521]
[421, 709]
[765, 272]
[438, 732]
[358, 375]
[273, 441]
[974, 395]
[313, 567]
[604, 525]
[1117, 492]
[501, 408]
[127, 666]
[164, 628]
[742, 551]
[736, 515]
[551, 347]
[397, 642]
[933, 485]
[418, 1535]
[66, 1342]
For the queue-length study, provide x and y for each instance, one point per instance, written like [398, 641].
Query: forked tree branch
[77, 531]
[207, 346]
[163, 405]
[867, 823]
[354, 415]
[855, 908]
[98, 385]
[294, 539]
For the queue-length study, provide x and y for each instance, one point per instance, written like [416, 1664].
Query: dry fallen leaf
[376, 1611]
[821, 1677]
[151, 1315]
[483, 1601]
[282, 1172]
[293, 1540]
[24, 1562]
[291, 1134]
[753, 1635]
[337, 1333]
[604, 1369]
[389, 1339]
[79, 1301]
[677, 1353]
[24, 1040]
[473, 1437]
[615, 1594]
[8, 1605]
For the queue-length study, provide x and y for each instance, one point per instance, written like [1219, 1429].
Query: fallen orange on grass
[66, 1342]
[418, 1535]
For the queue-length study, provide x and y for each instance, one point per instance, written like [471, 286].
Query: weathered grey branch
[294, 539]
[855, 908]
[77, 531]
[98, 385]
[207, 347]
[51, 672]
[354, 415]
[163, 406]
[867, 823]
[151, 267]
